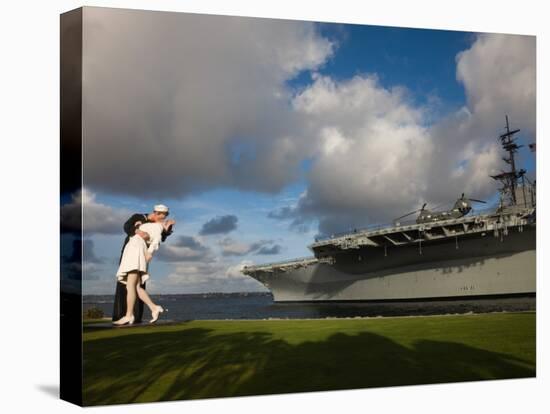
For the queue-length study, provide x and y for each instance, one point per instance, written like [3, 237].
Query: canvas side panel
[71, 206]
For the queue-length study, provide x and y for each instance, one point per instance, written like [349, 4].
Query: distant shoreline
[205, 294]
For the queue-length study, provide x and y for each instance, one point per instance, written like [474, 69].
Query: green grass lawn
[204, 359]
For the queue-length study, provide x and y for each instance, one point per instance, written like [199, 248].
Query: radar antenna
[509, 179]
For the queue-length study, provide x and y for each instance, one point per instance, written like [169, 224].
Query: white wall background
[30, 176]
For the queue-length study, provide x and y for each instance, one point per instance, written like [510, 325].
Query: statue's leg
[138, 309]
[119, 306]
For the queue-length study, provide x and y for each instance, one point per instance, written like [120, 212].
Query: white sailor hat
[161, 208]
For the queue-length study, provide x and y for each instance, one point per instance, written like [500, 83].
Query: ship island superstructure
[446, 254]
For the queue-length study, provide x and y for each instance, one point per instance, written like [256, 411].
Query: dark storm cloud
[176, 103]
[219, 225]
[190, 242]
[298, 221]
[184, 248]
[231, 247]
[282, 213]
[275, 249]
[82, 250]
[82, 263]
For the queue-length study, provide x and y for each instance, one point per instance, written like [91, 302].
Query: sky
[262, 134]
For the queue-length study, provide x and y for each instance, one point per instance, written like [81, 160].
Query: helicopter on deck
[461, 207]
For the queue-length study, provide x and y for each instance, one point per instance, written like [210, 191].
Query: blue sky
[423, 60]
[415, 81]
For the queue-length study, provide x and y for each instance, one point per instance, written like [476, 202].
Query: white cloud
[378, 155]
[235, 271]
[84, 212]
[208, 277]
[333, 141]
[499, 77]
[373, 147]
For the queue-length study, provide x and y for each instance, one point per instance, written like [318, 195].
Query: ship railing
[282, 262]
[372, 227]
[398, 224]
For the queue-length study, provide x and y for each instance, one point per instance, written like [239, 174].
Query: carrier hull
[478, 265]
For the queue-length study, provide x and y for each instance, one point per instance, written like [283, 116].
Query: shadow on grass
[192, 363]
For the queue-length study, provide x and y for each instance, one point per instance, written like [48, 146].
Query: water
[261, 306]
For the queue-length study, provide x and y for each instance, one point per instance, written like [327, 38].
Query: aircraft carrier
[456, 253]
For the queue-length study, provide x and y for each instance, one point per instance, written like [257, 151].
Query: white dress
[133, 256]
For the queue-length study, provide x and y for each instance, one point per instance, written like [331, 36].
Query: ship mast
[509, 179]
